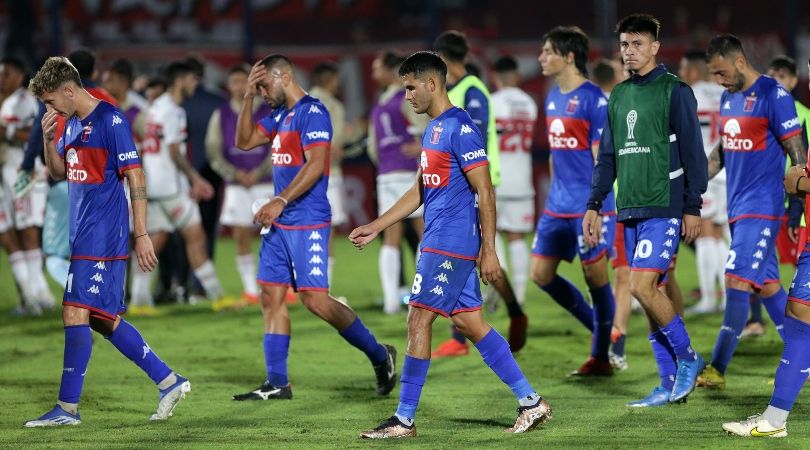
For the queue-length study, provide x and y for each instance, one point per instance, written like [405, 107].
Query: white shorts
[715, 207]
[334, 193]
[24, 212]
[236, 208]
[515, 215]
[170, 214]
[391, 187]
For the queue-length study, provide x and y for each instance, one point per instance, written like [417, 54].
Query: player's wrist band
[141, 235]
[798, 181]
[282, 199]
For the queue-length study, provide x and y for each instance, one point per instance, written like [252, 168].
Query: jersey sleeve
[477, 106]
[267, 125]
[119, 142]
[467, 147]
[174, 127]
[782, 117]
[316, 128]
[597, 115]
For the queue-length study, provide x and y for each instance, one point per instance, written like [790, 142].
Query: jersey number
[417, 284]
[643, 249]
[151, 142]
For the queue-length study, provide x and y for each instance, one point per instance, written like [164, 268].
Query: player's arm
[604, 174]
[147, 260]
[404, 207]
[200, 189]
[54, 161]
[686, 126]
[482, 185]
[248, 134]
[715, 160]
[794, 147]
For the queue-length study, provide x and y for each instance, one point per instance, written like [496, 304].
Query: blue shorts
[295, 257]
[560, 237]
[800, 286]
[752, 257]
[651, 244]
[445, 285]
[97, 286]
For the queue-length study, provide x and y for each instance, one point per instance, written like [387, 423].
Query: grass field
[463, 404]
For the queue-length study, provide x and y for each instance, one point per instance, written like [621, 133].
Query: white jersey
[708, 96]
[165, 125]
[19, 110]
[515, 115]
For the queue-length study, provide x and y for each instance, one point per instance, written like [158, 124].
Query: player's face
[272, 88]
[417, 92]
[10, 79]
[686, 72]
[189, 84]
[726, 73]
[379, 73]
[113, 83]
[237, 84]
[638, 50]
[60, 100]
[551, 62]
[784, 77]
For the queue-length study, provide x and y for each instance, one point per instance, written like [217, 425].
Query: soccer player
[575, 116]
[21, 218]
[711, 248]
[95, 154]
[246, 174]
[651, 145]
[458, 232]
[392, 142]
[515, 114]
[758, 125]
[467, 91]
[117, 80]
[294, 250]
[325, 78]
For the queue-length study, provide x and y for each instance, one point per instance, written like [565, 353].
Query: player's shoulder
[109, 113]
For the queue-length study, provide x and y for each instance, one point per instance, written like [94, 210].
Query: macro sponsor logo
[557, 137]
[73, 173]
[280, 159]
[730, 140]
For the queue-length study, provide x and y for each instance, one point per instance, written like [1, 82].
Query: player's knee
[419, 318]
[541, 275]
[315, 302]
[595, 274]
[740, 285]
[770, 289]
[104, 327]
[643, 288]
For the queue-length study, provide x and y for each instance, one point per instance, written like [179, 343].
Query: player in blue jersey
[459, 232]
[758, 125]
[575, 115]
[95, 154]
[294, 250]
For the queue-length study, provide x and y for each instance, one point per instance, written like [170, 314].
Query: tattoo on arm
[716, 160]
[795, 149]
[137, 193]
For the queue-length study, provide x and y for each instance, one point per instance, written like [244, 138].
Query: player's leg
[774, 297]
[519, 259]
[158, 225]
[237, 213]
[29, 213]
[190, 222]
[19, 269]
[709, 267]
[604, 308]
[390, 265]
[335, 196]
[623, 299]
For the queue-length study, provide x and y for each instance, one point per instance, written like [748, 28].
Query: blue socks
[78, 346]
[276, 349]
[604, 307]
[756, 309]
[664, 358]
[793, 368]
[131, 344]
[678, 338]
[733, 323]
[775, 305]
[496, 354]
[414, 371]
[569, 297]
[358, 335]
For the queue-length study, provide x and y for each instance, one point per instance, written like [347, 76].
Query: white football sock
[19, 270]
[247, 271]
[207, 276]
[36, 278]
[390, 265]
[519, 259]
[721, 249]
[775, 416]
[706, 255]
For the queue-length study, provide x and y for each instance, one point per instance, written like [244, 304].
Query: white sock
[140, 291]
[330, 266]
[247, 271]
[775, 416]
[390, 265]
[706, 255]
[721, 249]
[529, 400]
[19, 270]
[519, 259]
[207, 276]
[36, 277]
[72, 408]
[167, 382]
[406, 420]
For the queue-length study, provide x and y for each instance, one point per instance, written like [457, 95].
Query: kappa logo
[673, 221]
[315, 247]
[442, 277]
[278, 117]
[315, 236]
[668, 243]
[727, 105]
[755, 265]
[315, 110]
[438, 290]
[780, 92]
[762, 243]
[93, 289]
[146, 350]
[765, 232]
[116, 120]
[758, 254]
[665, 254]
[551, 106]
[316, 271]
[316, 259]
[474, 103]
[671, 231]
[100, 265]
[602, 102]
[465, 129]
[447, 265]
[807, 285]
[97, 278]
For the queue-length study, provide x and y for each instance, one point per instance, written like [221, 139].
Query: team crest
[572, 106]
[86, 133]
[750, 101]
[437, 134]
[288, 119]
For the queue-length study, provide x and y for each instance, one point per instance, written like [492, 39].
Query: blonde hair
[56, 71]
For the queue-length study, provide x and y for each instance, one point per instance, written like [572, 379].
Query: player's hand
[793, 234]
[592, 228]
[489, 266]
[690, 228]
[792, 177]
[362, 235]
[201, 189]
[49, 124]
[269, 212]
[147, 260]
[255, 77]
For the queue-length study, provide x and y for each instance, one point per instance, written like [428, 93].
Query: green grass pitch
[463, 404]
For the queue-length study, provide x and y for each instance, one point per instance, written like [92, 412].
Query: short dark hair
[391, 60]
[453, 45]
[177, 70]
[570, 39]
[424, 62]
[784, 62]
[84, 60]
[239, 68]
[505, 64]
[639, 23]
[724, 45]
[197, 66]
[322, 72]
[603, 72]
[695, 56]
[271, 61]
[14, 62]
[124, 68]
[157, 80]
